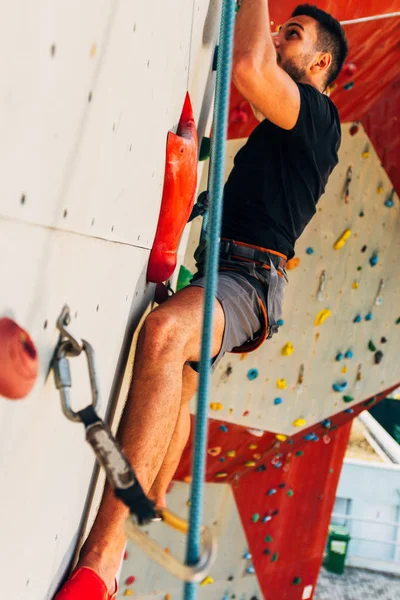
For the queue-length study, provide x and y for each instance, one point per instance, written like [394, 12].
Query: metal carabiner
[62, 324]
[62, 376]
[193, 573]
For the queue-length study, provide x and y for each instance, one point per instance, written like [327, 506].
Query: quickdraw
[119, 471]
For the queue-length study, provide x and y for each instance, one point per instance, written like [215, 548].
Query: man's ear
[323, 62]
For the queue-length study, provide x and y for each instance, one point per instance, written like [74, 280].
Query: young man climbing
[270, 196]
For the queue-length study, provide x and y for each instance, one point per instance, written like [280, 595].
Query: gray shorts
[241, 306]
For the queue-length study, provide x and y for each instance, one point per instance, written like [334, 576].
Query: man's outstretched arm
[256, 73]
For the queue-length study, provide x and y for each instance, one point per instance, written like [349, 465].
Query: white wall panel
[317, 347]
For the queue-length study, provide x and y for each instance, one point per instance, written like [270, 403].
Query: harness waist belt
[231, 249]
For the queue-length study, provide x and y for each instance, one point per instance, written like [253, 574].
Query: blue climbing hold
[271, 492]
[349, 354]
[280, 322]
[223, 428]
[278, 401]
[266, 519]
[389, 203]
[310, 436]
[251, 570]
[289, 441]
[349, 410]
[340, 386]
[247, 556]
[368, 316]
[277, 465]
[252, 374]
[357, 319]
[339, 356]
[348, 86]
[326, 423]
[222, 459]
[374, 260]
[310, 250]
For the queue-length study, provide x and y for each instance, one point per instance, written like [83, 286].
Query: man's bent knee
[162, 332]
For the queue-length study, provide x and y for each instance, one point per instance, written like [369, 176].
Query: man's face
[295, 45]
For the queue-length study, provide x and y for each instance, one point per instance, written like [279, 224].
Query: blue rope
[217, 164]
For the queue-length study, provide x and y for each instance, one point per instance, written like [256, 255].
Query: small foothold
[359, 268]
[268, 539]
[340, 242]
[361, 213]
[246, 412]
[368, 316]
[207, 580]
[222, 459]
[355, 285]
[126, 555]
[128, 593]
[389, 203]
[297, 581]
[271, 492]
[277, 465]
[221, 475]
[252, 446]
[344, 369]
[348, 398]
[231, 453]
[371, 346]
[310, 251]
[187, 479]
[281, 437]
[349, 410]
[266, 519]
[214, 451]
[292, 263]
[280, 322]
[287, 349]
[383, 340]
[349, 86]
[397, 321]
[379, 189]
[167, 597]
[299, 423]
[247, 556]
[266, 551]
[326, 423]
[252, 374]
[261, 468]
[326, 439]
[374, 260]
[255, 517]
[299, 453]
[378, 357]
[275, 512]
[357, 319]
[281, 384]
[322, 316]
[275, 557]
[309, 437]
[349, 354]
[223, 428]
[278, 401]
[251, 570]
[216, 406]
[231, 578]
[365, 154]
[249, 463]
[290, 493]
[370, 401]
[354, 129]
[339, 356]
[130, 580]
[363, 249]
[340, 386]
[282, 485]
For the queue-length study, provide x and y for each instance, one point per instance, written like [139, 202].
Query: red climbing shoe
[85, 584]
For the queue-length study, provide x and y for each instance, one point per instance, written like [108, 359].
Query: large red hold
[180, 182]
[19, 363]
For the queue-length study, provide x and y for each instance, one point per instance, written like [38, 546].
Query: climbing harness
[120, 474]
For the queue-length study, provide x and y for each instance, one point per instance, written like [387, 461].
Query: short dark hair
[331, 37]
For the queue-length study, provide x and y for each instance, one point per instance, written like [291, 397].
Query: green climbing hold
[290, 493]
[268, 538]
[297, 581]
[299, 453]
[371, 346]
[398, 321]
[275, 557]
[255, 517]
[348, 398]
[370, 401]
[184, 278]
[205, 148]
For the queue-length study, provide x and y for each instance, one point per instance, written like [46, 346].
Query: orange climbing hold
[292, 263]
[19, 362]
[180, 180]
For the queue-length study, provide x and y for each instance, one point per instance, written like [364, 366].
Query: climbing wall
[232, 572]
[339, 333]
[88, 96]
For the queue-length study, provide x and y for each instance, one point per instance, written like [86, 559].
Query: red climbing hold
[19, 363]
[180, 180]
[130, 580]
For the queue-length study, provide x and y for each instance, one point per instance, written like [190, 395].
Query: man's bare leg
[179, 439]
[170, 337]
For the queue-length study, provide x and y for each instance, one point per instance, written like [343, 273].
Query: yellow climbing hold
[167, 597]
[250, 463]
[253, 446]
[287, 349]
[299, 423]
[345, 369]
[231, 453]
[256, 456]
[342, 240]
[365, 154]
[128, 593]
[221, 475]
[380, 189]
[355, 285]
[281, 384]
[281, 437]
[322, 316]
[207, 580]
[216, 406]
